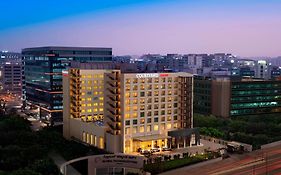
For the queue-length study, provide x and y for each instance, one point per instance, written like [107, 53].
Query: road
[265, 161]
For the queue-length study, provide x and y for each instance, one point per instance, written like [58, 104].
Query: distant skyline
[245, 28]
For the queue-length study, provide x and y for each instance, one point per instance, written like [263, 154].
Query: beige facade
[138, 110]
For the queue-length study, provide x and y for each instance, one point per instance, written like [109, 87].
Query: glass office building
[42, 80]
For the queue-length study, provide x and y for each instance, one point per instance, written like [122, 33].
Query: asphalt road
[260, 162]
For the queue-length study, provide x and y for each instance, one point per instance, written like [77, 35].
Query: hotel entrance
[150, 142]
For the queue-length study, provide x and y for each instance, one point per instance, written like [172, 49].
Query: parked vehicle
[166, 149]
[153, 150]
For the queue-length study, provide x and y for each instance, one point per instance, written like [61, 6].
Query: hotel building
[123, 112]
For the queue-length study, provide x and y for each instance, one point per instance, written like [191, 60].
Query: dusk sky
[242, 27]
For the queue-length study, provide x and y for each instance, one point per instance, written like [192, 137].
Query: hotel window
[141, 128]
[149, 113]
[135, 101]
[149, 94]
[163, 86]
[163, 99]
[155, 128]
[169, 105]
[135, 80]
[89, 99]
[156, 93]
[149, 87]
[169, 99]
[175, 98]
[148, 128]
[149, 107]
[169, 92]
[141, 121]
[95, 82]
[83, 105]
[88, 138]
[169, 111]
[156, 86]
[163, 126]
[100, 75]
[142, 114]
[176, 79]
[135, 129]
[128, 81]
[128, 87]
[156, 80]
[163, 80]
[96, 93]
[169, 126]
[149, 80]
[142, 80]
[156, 113]
[162, 112]
[135, 94]
[95, 140]
[95, 110]
[169, 118]
[101, 109]
[89, 88]
[101, 104]
[170, 86]
[149, 100]
[92, 140]
[163, 93]
[127, 102]
[95, 104]
[175, 92]
[142, 101]
[170, 80]
[127, 94]
[135, 108]
[156, 100]
[156, 119]
[127, 130]
[127, 115]
[148, 120]
[162, 119]
[101, 141]
[142, 87]
[175, 105]
[101, 98]
[135, 122]
[175, 117]
[89, 110]
[128, 108]
[135, 87]
[176, 125]
[176, 86]
[89, 82]
[142, 94]
[83, 93]
[127, 122]
[156, 106]
[162, 106]
[135, 115]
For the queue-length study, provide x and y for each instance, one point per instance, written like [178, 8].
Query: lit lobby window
[155, 128]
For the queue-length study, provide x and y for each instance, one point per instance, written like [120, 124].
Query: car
[153, 150]
[166, 149]
[144, 152]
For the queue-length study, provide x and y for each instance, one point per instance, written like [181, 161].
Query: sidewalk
[59, 160]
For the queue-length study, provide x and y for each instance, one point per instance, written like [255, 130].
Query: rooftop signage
[151, 75]
[147, 75]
